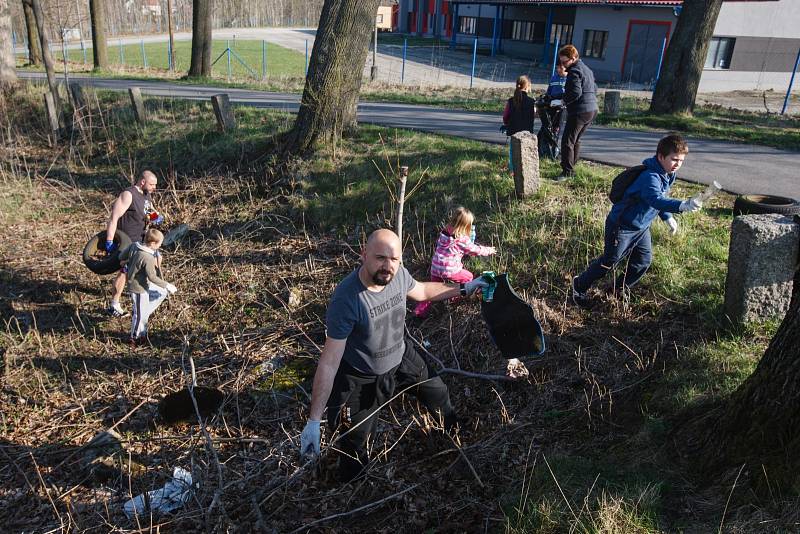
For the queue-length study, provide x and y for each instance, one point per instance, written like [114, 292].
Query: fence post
[144, 54]
[555, 58]
[791, 82]
[660, 61]
[306, 57]
[121, 54]
[263, 59]
[170, 66]
[83, 51]
[228, 53]
[474, 57]
[403, 68]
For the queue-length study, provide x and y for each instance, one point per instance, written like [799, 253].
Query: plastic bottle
[488, 291]
[713, 188]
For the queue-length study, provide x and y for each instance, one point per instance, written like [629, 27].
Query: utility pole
[373, 72]
[171, 36]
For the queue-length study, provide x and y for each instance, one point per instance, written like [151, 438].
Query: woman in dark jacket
[519, 113]
[580, 98]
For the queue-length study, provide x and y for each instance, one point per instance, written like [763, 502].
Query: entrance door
[643, 49]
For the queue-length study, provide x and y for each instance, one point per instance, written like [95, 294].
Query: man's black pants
[361, 395]
[571, 139]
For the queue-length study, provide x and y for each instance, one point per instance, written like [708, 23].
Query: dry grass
[265, 252]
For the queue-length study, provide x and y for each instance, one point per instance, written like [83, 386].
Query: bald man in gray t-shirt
[366, 356]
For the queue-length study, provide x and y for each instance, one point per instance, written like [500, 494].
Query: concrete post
[223, 112]
[611, 104]
[525, 158]
[762, 262]
[137, 104]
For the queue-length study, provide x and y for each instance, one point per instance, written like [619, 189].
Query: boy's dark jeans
[618, 244]
[362, 394]
[571, 140]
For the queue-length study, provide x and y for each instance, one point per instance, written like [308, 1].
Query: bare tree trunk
[201, 39]
[760, 424]
[48, 59]
[34, 47]
[97, 11]
[684, 59]
[335, 71]
[8, 72]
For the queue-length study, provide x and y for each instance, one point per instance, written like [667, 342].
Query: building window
[467, 25]
[562, 32]
[594, 43]
[720, 51]
[379, 18]
[522, 30]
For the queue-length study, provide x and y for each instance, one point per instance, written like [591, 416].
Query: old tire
[760, 204]
[95, 258]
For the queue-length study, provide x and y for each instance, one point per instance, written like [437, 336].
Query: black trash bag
[178, 406]
[512, 324]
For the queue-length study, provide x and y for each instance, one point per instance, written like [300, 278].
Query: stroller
[550, 112]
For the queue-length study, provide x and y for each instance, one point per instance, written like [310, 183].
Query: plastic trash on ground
[172, 496]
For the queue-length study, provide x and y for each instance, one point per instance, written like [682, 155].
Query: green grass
[281, 62]
[712, 122]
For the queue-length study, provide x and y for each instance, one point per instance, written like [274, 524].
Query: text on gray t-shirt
[372, 322]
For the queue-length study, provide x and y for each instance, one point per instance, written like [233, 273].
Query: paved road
[739, 167]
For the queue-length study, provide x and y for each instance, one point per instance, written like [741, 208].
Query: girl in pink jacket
[454, 242]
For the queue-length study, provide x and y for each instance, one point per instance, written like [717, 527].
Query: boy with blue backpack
[638, 195]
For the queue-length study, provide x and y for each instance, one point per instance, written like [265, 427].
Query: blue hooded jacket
[645, 198]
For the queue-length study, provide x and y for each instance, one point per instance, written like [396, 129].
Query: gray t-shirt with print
[372, 322]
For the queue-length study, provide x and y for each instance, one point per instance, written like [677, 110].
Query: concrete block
[525, 158]
[137, 104]
[223, 112]
[611, 103]
[762, 262]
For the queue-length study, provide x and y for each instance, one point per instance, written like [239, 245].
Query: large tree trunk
[97, 11]
[760, 424]
[201, 39]
[684, 59]
[38, 14]
[8, 72]
[34, 47]
[335, 71]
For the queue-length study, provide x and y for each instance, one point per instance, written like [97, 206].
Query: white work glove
[309, 439]
[473, 285]
[691, 205]
[673, 225]
[171, 289]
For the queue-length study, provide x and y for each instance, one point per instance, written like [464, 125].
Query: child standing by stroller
[550, 112]
[148, 290]
[456, 240]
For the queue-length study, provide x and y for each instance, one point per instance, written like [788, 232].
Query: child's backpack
[623, 181]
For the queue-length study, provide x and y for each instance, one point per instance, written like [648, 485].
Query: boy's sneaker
[580, 298]
[115, 310]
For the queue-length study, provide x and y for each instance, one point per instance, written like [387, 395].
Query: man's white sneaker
[116, 310]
